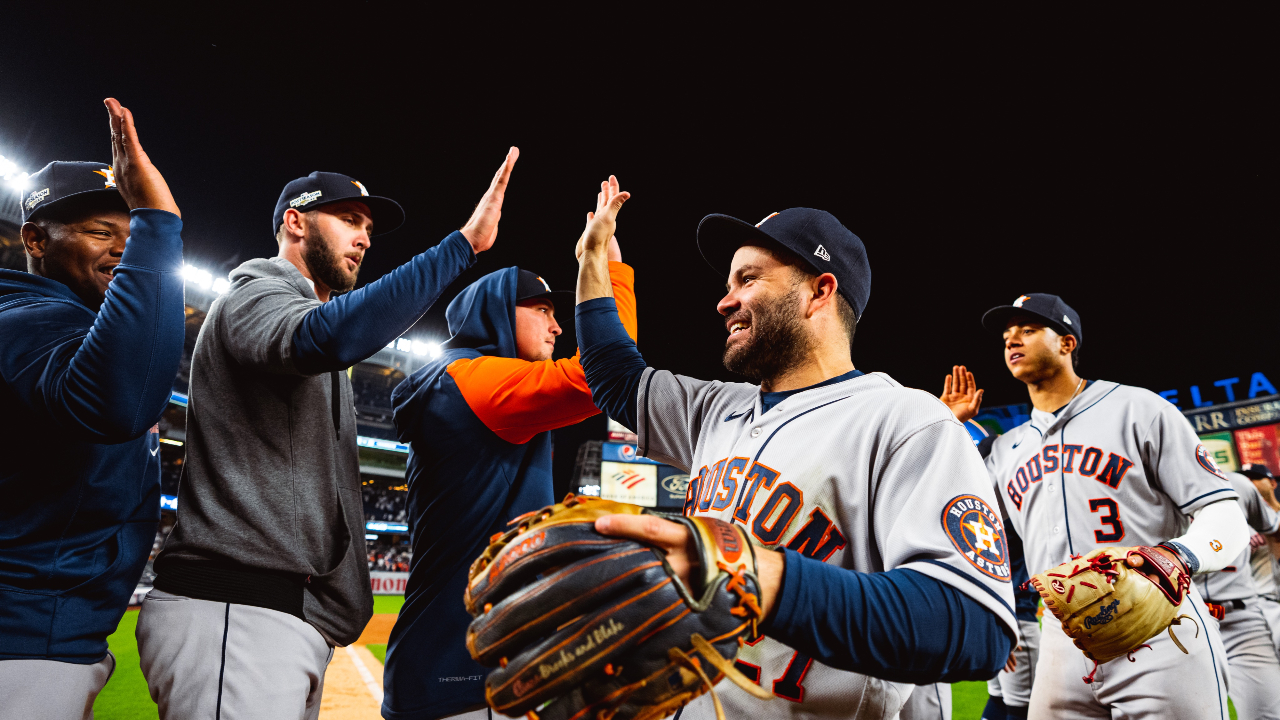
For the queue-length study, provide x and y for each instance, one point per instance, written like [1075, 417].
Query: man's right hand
[598, 245]
[961, 393]
[139, 182]
[482, 229]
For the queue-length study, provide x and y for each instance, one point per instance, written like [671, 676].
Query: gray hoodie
[270, 495]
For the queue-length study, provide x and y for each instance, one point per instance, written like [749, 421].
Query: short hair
[844, 310]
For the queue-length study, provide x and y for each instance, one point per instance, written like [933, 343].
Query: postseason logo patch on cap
[305, 198]
[36, 198]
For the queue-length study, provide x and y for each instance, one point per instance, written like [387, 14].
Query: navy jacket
[478, 420]
[80, 395]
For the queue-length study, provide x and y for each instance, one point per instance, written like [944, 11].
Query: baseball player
[1101, 464]
[1232, 598]
[891, 563]
[92, 339]
[265, 570]
[1266, 549]
[479, 421]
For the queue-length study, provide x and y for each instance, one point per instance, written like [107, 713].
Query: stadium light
[197, 276]
[14, 177]
[221, 285]
[404, 345]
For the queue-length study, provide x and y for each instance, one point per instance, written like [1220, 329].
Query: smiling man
[886, 564]
[90, 340]
[265, 571]
[479, 421]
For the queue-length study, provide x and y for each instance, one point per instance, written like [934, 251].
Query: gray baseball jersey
[1118, 465]
[1264, 566]
[861, 473]
[1235, 582]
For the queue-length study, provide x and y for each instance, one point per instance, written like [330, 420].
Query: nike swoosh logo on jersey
[735, 416]
[153, 452]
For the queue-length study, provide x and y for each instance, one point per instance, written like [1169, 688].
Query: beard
[779, 339]
[326, 265]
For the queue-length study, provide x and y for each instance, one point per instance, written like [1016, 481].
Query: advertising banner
[1259, 445]
[623, 452]
[388, 583]
[1246, 413]
[634, 483]
[1222, 450]
[673, 484]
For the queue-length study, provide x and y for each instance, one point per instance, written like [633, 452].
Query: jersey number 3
[1110, 516]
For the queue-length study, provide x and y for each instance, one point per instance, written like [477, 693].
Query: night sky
[1129, 168]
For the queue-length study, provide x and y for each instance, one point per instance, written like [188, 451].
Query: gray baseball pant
[223, 661]
[1271, 611]
[1251, 658]
[50, 689]
[928, 702]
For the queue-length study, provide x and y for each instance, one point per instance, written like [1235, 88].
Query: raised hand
[601, 223]
[139, 182]
[482, 229]
[961, 393]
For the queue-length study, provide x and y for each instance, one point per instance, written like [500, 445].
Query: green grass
[125, 696]
[388, 603]
[379, 651]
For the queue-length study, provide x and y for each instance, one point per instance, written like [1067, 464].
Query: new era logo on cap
[822, 253]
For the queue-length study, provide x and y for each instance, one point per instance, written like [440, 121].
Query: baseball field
[353, 682]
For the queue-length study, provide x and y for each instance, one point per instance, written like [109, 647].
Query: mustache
[740, 315]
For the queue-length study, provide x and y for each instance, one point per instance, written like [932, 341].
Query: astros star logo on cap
[110, 175]
[363, 192]
[1021, 299]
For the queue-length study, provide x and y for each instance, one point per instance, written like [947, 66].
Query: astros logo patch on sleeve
[976, 531]
[1206, 461]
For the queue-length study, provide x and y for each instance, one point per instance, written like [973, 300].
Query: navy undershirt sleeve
[899, 625]
[351, 327]
[610, 358]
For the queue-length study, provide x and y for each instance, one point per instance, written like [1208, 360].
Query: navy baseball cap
[1048, 309]
[814, 235]
[1256, 471]
[531, 285]
[323, 188]
[60, 180]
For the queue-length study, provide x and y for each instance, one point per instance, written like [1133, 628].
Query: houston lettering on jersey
[728, 480]
[1077, 459]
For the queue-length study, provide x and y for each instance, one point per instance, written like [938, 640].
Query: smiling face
[764, 314]
[1034, 351]
[335, 241]
[79, 249]
[536, 329]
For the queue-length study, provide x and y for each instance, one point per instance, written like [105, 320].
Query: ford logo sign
[676, 484]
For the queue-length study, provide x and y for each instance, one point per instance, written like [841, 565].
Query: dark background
[1125, 163]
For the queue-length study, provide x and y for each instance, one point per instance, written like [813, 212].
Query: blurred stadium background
[1237, 418]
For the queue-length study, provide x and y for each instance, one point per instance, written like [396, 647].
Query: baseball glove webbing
[579, 625]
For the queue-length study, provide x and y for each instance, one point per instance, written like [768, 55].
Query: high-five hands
[482, 229]
[139, 182]
[961, 393]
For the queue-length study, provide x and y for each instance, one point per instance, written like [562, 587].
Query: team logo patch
[1206, 461]
[1217, 546]
[976, 531]
[37, 197]
[1021, 299]
[304, 198]
[363, 192]
[110, 175]
[766, 219]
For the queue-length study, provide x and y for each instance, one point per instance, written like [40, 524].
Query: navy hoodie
[478, 420]
[80, 395]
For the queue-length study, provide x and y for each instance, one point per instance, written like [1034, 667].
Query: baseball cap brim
[996, 319]
[720, 236]
[387, 213]
[67, 200]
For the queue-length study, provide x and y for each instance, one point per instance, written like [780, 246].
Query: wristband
[1188, 558]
